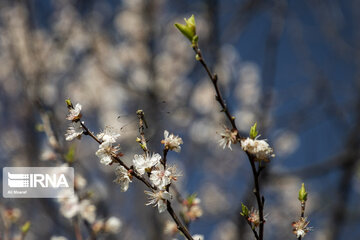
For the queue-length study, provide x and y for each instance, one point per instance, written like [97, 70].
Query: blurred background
[291, 66]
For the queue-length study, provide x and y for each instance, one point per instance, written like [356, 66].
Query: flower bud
[188, 30]
[68, 103]
[302, 193]
[25, 228]
[244, 210]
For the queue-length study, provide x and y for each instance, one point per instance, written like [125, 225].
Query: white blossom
[74, 130]
[170, 227]
[172, 142]
[108, 135]
[113, 225]
[142, 163]
[227, 137]
[198, 237]
[74, 113]
[259, 148]
[160, 176]
[105, 152]
[79, 181]
[300, 227]
[69, 206]
[87, 210]
[123, 178]
[159, 199]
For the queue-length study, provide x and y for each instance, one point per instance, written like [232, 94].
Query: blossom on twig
[227, 137]
[159, 199]
[172, 142]
[123, 178]
[259, 148]
[300, 228]
[254, 217]
[74, 113]
[74, 131]
[105, 152]
[160, 176]
[109, 134]
[70, 206]
[143, 164]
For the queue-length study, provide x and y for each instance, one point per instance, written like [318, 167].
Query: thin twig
[253, 229]
[214, 79]
[302, 215]
[260, 199]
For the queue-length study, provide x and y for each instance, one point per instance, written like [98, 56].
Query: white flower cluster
[159, 176]
[72, 206]
[259, 148]
[75, 129]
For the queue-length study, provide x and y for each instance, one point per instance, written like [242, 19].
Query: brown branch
[179, 224]
[214, 79]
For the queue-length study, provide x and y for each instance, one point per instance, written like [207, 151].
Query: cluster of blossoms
[147, 165]
[71, 206]
[300, 228]
[161, 176]
[259, 148]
